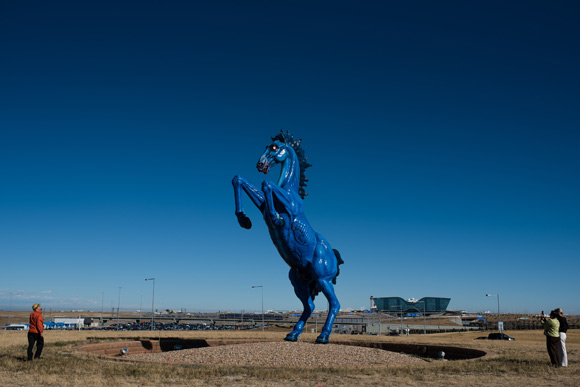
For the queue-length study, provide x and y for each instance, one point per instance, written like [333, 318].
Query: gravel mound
[282, 354]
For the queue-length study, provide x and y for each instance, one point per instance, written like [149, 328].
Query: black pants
[552, 345]
[32, 338]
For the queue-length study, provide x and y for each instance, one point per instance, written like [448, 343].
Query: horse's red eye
[274, 147]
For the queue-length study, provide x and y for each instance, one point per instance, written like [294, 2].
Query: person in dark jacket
[35, 332]
[562, 344]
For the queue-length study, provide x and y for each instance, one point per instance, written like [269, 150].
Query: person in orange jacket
[35, 332]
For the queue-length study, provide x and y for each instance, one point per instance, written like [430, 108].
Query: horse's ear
[279, 137]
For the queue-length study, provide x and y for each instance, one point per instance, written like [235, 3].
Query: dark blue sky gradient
[444, 140]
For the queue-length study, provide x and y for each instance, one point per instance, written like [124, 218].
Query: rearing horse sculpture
[313, 263]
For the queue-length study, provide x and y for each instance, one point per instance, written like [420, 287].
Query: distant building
[68, 322]
[398, 306]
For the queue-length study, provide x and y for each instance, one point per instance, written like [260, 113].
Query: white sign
[500, 326]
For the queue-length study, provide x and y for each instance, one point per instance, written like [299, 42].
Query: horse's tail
[339, 262]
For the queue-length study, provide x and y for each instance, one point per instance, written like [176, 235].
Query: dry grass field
[520, 362]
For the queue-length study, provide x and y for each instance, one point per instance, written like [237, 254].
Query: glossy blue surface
[313, 263]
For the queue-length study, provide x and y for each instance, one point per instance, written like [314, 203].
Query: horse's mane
[287, 138]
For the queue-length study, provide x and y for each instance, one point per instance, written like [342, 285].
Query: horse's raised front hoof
[292, 337]
[244, 221]
[322, 339]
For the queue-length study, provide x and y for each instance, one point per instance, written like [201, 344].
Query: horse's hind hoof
[293, 337]
[322, 340]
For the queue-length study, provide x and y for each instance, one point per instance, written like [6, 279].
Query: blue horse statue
[313, 263]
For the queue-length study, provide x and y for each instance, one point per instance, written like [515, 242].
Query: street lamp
[118, 307]
[316, 323]
[401, 315]
[424, 318]
[499, 324]
[10, 310]
[401, 305]
[152, 302]
[260, 286]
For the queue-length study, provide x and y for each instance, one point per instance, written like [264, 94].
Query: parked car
[499, 336]
[17, 327]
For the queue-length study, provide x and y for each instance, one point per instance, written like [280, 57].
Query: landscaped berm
[95, 358]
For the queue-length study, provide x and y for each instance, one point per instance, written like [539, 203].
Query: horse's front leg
[271, 192]
[253, 193]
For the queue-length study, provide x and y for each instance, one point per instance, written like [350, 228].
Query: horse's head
[284, 148]
[275, 153]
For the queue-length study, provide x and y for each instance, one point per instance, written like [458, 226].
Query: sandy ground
[283, 354]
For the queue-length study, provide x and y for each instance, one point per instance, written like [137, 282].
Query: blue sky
[443, 136]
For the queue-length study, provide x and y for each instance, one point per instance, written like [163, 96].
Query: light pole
[118, 307]
[316, 323]
[424, 319]
[152, 302]
[401, 305]
[10, 310]
[499, 324]
[260, 286]
[102, 306]
[401, 311]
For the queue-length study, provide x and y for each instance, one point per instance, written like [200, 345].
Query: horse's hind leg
[303, 293]
[328, 290]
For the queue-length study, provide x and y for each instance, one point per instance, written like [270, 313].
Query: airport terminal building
[398, 306]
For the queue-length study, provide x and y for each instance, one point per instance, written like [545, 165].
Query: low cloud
[23, 300]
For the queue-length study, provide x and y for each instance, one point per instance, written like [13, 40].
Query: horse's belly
[295, 243]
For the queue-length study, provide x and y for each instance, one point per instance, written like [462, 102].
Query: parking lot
[146, 326]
